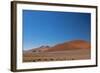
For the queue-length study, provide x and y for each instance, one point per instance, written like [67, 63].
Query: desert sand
[71, 50]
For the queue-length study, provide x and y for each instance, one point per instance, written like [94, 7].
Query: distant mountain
[39, 49]
[71, 45]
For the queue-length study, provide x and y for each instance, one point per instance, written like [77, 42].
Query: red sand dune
[71, 45]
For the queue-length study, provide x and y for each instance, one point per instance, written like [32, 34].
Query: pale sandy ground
[78, 54]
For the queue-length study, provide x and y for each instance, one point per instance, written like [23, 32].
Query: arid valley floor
[74, 50]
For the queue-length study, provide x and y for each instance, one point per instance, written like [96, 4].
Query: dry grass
[78, 54]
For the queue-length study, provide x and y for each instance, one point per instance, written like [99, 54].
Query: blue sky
[49, 28]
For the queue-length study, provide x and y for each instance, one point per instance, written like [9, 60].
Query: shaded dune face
[72, 45]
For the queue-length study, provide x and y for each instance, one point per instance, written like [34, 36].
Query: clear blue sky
[49, 28]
